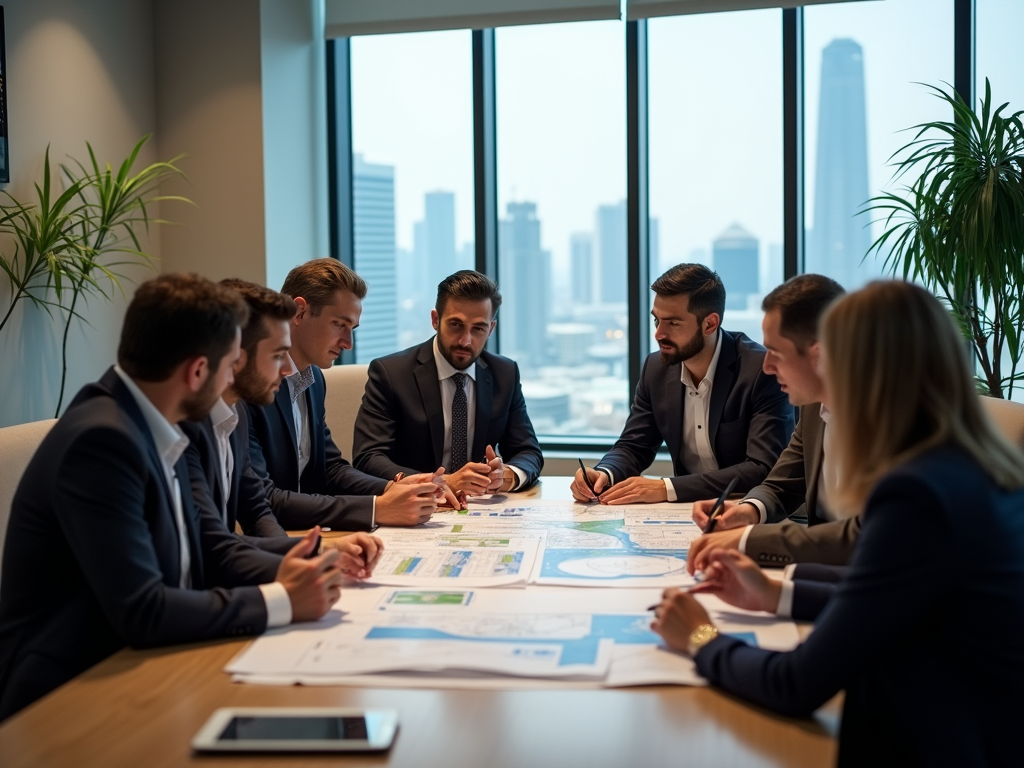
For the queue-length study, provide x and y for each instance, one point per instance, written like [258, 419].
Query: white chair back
[345, 385]
[17, 446]
[1008, 417]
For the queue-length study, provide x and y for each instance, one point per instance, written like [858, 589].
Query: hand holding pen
[588, 484]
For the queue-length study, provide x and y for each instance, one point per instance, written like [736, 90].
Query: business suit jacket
[333, 492]
[92, 560]
[246, 503]
[402, 406]
[793, 481]
[896, 624]
[830, 543]
[750, 421]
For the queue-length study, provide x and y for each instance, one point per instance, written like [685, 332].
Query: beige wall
[209, 107]
[77, 71]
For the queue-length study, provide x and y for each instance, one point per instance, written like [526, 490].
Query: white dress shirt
[224, 418]
[697, 456]
[170, 444]
[445, 371]
[298, 383]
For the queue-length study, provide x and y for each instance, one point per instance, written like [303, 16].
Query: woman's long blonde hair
[899, 383]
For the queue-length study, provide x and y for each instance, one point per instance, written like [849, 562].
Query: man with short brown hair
[308, 481]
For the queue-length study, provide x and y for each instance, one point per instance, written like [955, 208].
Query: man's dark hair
[468, 284]
[318, 280]
[263, 303]
[704, 287]
[801, 302]
[174, 318]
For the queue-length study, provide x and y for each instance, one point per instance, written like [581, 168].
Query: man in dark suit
[105, 547]
[707, 398]
[803, 477]
[307, 480]
[223, 482]
[467, 400]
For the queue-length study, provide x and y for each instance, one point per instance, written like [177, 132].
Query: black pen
[586, 479]
[720, 504]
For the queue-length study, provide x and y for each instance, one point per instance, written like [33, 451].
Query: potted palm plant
[69, 245]
[958, 228]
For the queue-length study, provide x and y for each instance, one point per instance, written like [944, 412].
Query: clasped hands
[476, 478]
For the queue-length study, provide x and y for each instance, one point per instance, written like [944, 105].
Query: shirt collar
[300, 381]
[224, 417]
[169, 439]
[446, 370]
[709, 377]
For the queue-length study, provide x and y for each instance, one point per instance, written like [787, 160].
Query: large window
[561, 127]
[555, 95]
[715, 120]
[412, 179]
[862, 70]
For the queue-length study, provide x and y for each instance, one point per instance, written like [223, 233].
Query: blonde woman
[927, 644]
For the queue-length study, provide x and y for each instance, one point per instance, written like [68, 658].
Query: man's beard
[197, 407]
[253, 388]
[446, 353]
[692, 348]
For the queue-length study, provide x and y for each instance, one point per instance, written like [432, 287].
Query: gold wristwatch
[700, 637]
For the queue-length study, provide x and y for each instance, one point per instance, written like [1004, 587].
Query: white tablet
[297, 729]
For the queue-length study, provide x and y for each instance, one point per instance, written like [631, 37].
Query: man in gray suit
[705, 396]
[803, 477]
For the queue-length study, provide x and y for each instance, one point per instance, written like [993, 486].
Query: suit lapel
[484, 395]
[283, 402]
[725, 375]
[814, 444]
[190, 514]
[430, 394]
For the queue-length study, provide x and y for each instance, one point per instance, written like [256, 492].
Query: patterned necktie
[460, 423]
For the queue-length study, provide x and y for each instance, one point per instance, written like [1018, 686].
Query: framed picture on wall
[5, 154]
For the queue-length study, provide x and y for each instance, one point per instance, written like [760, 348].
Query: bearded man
[704, 394]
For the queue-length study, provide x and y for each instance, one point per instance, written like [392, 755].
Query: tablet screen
[299, 728]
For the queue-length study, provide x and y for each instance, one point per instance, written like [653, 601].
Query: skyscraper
[581, 246]
[439, 235]
[734, 255]
[525, 277]
[373, 194]
[840, 239]
[611, 253]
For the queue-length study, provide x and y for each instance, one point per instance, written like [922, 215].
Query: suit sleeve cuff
[670, 489]
[761, 508]
[373, 513]
[611, 477]
[785, 609]
[520, 477]
[743, 539]
[279, 605]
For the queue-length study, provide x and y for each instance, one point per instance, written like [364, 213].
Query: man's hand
[697, 557]
[443, 494]
[734, 514]
[359, 553]
[474, 479]
[579, 488]
[636, 490]
[677, 616]
[406, 504]
[738, 581]
[499, 472]
[313, 585]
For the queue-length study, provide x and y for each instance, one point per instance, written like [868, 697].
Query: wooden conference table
[142, 708]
